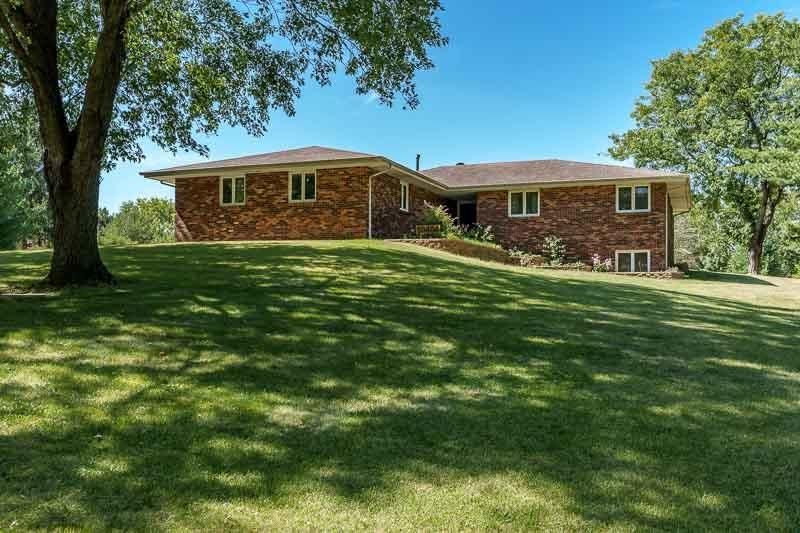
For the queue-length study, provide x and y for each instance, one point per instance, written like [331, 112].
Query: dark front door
[467, 213]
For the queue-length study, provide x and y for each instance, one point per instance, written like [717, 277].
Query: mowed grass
[355, 385]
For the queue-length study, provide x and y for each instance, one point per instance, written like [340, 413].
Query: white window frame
[524, 213]
[632, 187]
[404, 186]
[632, 253]
[233, 190]
[302, 173]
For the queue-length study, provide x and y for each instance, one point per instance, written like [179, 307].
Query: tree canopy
[193, 65]
[728, 114]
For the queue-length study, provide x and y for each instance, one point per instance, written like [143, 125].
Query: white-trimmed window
[632, 260]
[405, 199]
[303, 186]
[633, 198]
[523, 203]
[232, 191]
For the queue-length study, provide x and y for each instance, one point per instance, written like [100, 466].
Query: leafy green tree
[9, 226]
[104, 218]
[710, 238]
[106, 73]
[728, 114]
[23, 192]
[716, 238]
[782, 247]
[145, 221]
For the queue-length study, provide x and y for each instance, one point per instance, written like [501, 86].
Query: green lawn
[351, 385]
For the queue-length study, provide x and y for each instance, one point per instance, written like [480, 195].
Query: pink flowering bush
[602, 265]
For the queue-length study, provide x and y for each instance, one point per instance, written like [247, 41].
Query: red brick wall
[585, 217]
[339, 212]
[388, 221]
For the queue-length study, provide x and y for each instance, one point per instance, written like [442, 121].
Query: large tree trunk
[76, 256]
[754, 254]
[771, 196]
[73, 156]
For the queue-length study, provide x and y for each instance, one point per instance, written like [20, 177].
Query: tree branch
[773, 205]
[105, 73]
[138, 7]
[11, 83]
[30, 27]
[17, 45]
[757, 133]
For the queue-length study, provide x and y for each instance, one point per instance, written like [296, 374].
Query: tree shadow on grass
[374, 378]
[727, 277]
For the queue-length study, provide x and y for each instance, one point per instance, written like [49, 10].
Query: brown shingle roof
[454, 176]
[308, 154]
[540, 171]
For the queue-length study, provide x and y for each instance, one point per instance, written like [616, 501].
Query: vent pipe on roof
[418, 156]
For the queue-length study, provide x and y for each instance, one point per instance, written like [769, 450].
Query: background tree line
[24, 213]
[25, 219]
[716, 238]
[142, 221]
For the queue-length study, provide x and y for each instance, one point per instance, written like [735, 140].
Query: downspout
[369, 200]
[668, 214]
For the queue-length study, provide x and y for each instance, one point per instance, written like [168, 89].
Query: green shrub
[438, 214]
[144, 221]
[554, 249]
[526, 258]
[478, 232]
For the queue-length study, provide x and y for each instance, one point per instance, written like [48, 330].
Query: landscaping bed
[660, 274]
[488, 252]
[484, 252]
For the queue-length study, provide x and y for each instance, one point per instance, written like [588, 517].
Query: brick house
[323, 193]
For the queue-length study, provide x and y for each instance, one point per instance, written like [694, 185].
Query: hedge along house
[324, 193]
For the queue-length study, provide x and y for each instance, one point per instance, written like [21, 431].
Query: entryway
[467, 212]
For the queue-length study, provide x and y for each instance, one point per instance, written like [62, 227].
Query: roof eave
[169, 175]
[215, 170]
[677, 178]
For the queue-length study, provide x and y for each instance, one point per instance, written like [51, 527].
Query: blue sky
[520, 80]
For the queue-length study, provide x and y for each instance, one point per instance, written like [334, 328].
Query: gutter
[677, 178]
[213, 171]
[369, 199]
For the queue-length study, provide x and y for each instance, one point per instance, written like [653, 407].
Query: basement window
[303, 186]
[633, 198]
[632, 260]
[404, 197]
[523, 203]
[232, 191]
